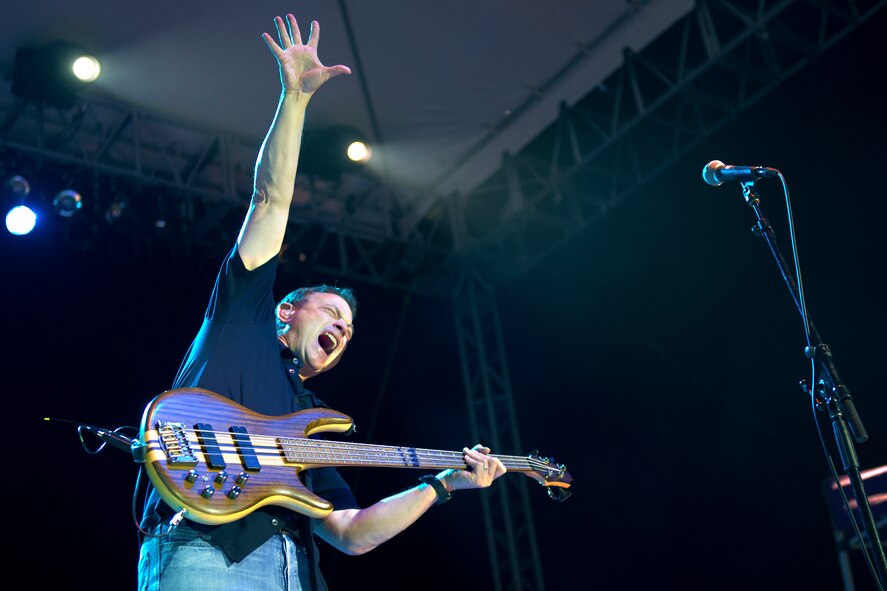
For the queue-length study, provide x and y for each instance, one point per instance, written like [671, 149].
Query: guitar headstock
[553, 476]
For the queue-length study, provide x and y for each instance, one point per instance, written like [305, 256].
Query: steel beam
[507, 511]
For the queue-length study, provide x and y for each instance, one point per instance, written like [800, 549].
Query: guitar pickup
[211, 451]
[245, 449]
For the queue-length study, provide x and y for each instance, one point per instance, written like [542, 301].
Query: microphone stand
[830, 393]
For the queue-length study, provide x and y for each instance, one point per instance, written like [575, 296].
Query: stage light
[330, 151]
[17, 186]
[87, 68]
[359, 152]
[67, 203]
[48, 74]
[20, 220]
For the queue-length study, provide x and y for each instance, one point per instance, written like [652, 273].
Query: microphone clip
[750, 193]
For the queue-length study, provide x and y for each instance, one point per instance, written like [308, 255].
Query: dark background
[657, 355]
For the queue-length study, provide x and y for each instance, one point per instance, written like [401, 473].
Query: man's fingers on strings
[473, 464]
[476, 460]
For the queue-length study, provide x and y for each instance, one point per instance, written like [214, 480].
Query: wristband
[443, 495]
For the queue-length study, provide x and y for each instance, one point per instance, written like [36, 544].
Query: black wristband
[443, 495]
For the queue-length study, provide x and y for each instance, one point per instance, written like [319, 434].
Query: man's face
[319, 329]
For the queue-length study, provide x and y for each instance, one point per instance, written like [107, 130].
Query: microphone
[716, 173]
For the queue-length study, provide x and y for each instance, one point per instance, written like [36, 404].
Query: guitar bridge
[175, 444]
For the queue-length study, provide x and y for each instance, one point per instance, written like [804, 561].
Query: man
[236, 354]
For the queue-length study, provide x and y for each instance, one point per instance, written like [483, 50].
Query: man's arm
[301, 73]
[356, 531]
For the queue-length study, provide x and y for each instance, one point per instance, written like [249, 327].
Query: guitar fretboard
[308, 452]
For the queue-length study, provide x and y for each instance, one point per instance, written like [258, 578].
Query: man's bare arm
[356, 531]
[301, 74]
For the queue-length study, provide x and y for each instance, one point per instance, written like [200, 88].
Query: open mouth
[327, 342]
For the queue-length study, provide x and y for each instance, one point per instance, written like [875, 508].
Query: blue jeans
[183, 560]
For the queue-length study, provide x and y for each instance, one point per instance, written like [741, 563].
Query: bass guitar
[215, 461]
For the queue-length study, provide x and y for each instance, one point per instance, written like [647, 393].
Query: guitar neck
[316, 453]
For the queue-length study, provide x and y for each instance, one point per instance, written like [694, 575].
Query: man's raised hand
[300, 68]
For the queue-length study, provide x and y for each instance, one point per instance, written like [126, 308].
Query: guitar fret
[296, 449]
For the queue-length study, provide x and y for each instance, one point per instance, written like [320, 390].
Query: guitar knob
[221, 477]
[207, 491]
[191, 476]
[242, 478]
[234, 492]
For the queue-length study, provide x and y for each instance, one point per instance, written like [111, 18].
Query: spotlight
[54, 73]
[330, 151]
[359, 152]
[20, 219]
[86, 68]
[18, 186]
[67, 203]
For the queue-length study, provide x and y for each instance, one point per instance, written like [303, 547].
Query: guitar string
[315, 451]
[333, 446]
[341, 449]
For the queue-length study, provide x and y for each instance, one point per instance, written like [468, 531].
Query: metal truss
[508, 515]
[117, 140]
[714, 63]
[202, 179]
[396, 264]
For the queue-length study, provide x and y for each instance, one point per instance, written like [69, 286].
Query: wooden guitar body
[184, 467]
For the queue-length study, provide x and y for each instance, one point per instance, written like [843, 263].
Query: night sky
[657, 355]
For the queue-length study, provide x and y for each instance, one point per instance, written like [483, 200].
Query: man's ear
[284, 312]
